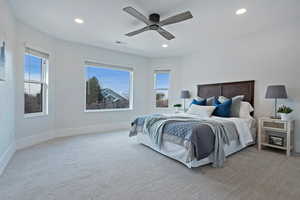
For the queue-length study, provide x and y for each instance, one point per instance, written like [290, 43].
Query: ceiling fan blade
[165, 33]
[176, 18]
[137, 14]
[147, 28]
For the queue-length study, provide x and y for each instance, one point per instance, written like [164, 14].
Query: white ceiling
[105, 22]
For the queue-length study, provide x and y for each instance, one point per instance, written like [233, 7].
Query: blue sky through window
[162, 80]
[33, 68]
[116, 80]
[32, 72]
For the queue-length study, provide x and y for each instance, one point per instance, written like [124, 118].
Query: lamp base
[275, 117]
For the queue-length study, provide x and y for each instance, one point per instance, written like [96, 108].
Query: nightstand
[276, 133]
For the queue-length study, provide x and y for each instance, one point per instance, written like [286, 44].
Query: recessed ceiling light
[79, 21]
[164, 45]
[241, 11]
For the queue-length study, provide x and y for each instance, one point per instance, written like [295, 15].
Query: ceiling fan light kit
[153, 22]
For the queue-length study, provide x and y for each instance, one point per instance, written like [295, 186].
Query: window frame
[163, 71]
[113, 67]
[44, 82]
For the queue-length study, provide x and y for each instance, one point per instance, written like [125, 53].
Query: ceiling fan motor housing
[154, 18]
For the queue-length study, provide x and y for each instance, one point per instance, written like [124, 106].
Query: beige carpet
[110, 166]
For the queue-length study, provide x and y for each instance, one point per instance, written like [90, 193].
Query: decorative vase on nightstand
[177, 108]
[285, 112]
[285, 117]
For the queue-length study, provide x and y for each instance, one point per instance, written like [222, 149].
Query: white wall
[7, 87]
[37, 125]
[268, 57]
[67, 89]
[70, 59]
[173, 64]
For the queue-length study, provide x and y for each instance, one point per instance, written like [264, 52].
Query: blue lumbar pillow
[222, 109]
[199, 102]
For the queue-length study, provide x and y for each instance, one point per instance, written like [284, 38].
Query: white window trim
[109, 66]
[155, 72]
[34, 115]
[45, 85]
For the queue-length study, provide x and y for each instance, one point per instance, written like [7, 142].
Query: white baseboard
[43, 137]
[6, 156]
[34, 139]
[92, 129]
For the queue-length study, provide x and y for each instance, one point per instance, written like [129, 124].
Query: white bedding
[245, 128]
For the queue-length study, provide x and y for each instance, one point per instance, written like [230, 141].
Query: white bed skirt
[180, 154]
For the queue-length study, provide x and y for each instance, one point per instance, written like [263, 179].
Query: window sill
[108, 110]
[34, 115]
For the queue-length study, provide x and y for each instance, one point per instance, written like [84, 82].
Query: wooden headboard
[229, 90]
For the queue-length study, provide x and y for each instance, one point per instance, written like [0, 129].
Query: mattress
[180, 153]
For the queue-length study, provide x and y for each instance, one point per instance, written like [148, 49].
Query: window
[35, 82]
[108, 87]
[162, 81]
[2, 60]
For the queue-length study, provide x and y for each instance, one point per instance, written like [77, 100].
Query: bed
[245, 127]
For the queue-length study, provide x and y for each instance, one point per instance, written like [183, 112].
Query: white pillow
[246, 109]
[201, 111]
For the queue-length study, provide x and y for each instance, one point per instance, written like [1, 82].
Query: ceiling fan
[154, 23]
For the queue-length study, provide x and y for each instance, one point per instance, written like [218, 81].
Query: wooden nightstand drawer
[277, 126]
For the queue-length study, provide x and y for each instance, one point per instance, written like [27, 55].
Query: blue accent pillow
[222, 109]
[199, 103]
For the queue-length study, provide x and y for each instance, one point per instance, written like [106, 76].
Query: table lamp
[185, 94]
[276, 92]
